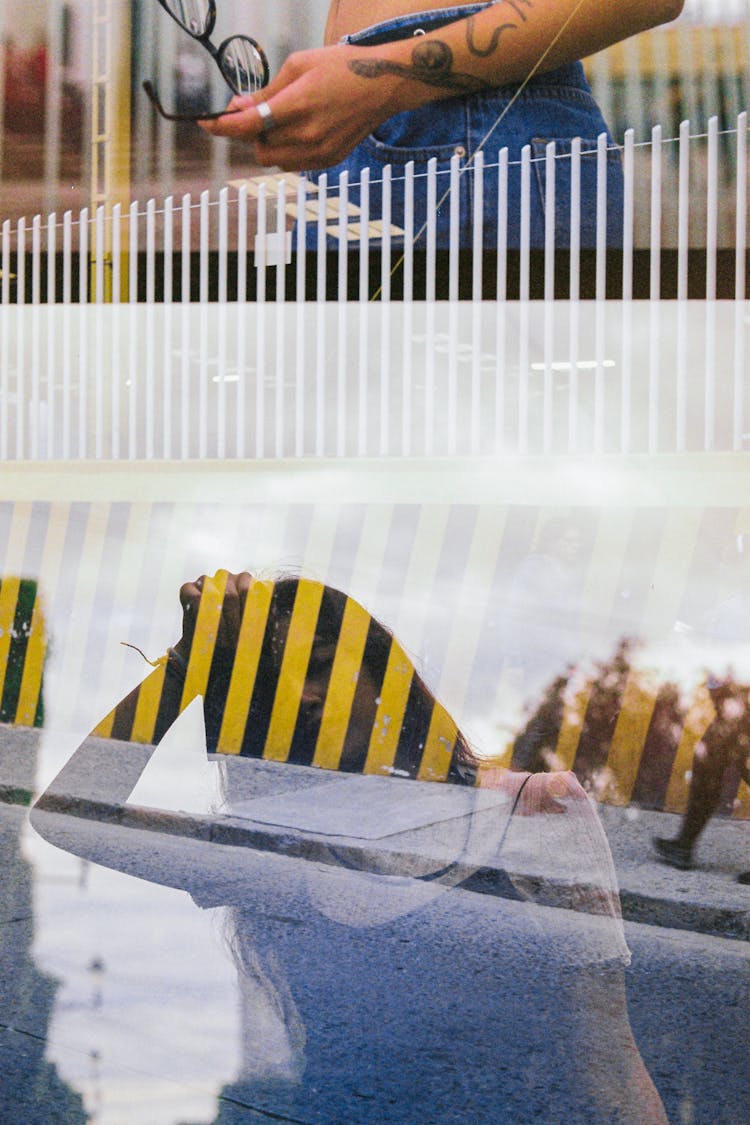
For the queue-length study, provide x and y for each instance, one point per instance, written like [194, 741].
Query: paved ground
[388, 826]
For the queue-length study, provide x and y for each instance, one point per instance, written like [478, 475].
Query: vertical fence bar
[21, 262]
[343, 239]
[476, 169]
[712, 208]
[454, 202]
[740, 268]
[242, 249]
[150, 251]
[83, 257]
[409, 231]
[628, 218]
[281, 241]
[116, 253]
[99, 378]
[134, 368]
[133, 254]
[51, 258]
[99, 256]
[385, 271]
[549, 222]
[5, 378]
[185, 396]
[32, 412]
[114, 409]
[36, 259]
[82, 370]
[52, 356]
[575, 220]
[301, 240]
[168, 242]
[67, 257]
[320, 284]
[362, 380]
[654, 376]
[430, 219]
[20, 359]
[681, 389]
[575, 323]
[501, 278]
[524, 288]
[261, 246]
[709, 408]
[223, 243]
[204, 245]
[740, 374]
[656, 181]
[185, 250]
[548, 388]
[5, 265]
[683, 212]
[364, 235]
[601, 217]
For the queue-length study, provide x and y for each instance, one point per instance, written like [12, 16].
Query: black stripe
[414, 730]
[659, 749]
[19, 639]
[365, 703]
[266, 680]
[306, 728]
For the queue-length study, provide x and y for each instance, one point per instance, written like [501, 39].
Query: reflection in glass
[366, 992]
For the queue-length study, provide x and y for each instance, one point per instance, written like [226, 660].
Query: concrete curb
[644, 908]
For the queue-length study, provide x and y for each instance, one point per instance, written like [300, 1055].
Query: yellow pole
[110, 127]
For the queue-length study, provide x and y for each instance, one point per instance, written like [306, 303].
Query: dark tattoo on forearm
[485, 52]
[431, 63]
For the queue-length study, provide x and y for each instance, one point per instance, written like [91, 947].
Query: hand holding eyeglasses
[242, 62]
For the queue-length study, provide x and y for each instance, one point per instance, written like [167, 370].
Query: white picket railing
[283, 381]
[685, 232]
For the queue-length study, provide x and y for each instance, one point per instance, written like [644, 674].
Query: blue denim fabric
[556, 106]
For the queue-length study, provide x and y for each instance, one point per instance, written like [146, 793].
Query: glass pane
[243, 64]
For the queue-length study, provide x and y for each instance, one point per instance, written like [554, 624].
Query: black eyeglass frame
[216, 54]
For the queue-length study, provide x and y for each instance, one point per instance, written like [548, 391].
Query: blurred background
[76, 129]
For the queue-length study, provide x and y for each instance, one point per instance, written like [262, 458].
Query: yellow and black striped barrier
[312, 679]
[22, 650]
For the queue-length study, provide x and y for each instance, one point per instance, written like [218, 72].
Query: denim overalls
[555, 106]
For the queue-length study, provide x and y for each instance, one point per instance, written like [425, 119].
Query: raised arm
[325, 101]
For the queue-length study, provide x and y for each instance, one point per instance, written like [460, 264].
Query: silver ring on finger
[267, 123]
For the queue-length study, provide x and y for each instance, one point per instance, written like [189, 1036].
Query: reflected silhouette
[376, 986]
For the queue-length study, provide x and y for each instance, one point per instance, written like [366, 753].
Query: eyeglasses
[242, 62]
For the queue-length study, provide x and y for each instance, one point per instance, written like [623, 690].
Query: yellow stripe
[701, 714]
[347, 665]
[8, 601]
[294, 663]
[629, 738]
[742, 807]
[104, 728]
[245, 667]
[204, 637]
[33, 667]
[574, 712]
[389, 717]
[147, 708]
[438, 750]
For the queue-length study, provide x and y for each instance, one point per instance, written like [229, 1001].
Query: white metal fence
[404, 380]
[684, 234]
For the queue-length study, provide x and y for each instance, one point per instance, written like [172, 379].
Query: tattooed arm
[325, 101]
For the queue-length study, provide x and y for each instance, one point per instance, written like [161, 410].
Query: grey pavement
[418, 829]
